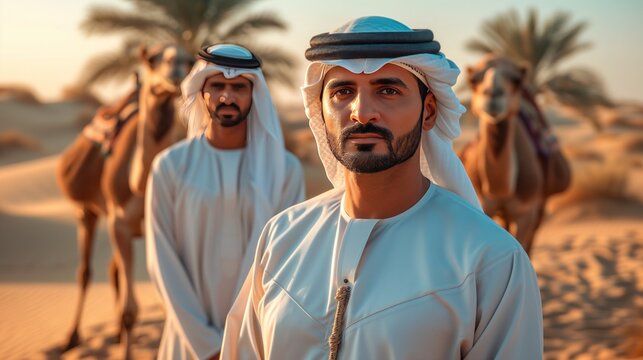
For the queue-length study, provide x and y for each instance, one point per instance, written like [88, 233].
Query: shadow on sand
[100, 341]
[592, 293]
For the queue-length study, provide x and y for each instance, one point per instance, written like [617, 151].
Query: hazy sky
[42, 46]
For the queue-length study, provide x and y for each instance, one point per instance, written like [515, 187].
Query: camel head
[163, 69]
[496, 85]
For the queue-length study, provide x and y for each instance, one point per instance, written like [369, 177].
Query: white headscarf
[438, 162]
[265, 152]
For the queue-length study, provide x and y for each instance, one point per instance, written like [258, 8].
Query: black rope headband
[366, 45]
[251, 63]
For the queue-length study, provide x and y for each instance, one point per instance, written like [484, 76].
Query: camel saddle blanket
[556, 169]
[104, 128]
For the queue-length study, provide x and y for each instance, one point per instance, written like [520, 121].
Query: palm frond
[578, 87]
[543, 46]
[104, 20]
[479, 46]
[247, 25]
[567, 44]
[186, 23]
[221, 10]
[116, 65]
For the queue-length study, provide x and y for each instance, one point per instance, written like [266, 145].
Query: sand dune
[591, 284]
[53, 125]
[37, 316]
[31, 190]
[38, 255]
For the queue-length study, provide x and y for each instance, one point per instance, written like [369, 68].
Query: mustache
[364, 129]
[233, 106]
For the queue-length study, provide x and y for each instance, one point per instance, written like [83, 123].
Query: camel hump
[109, 121]
[80, 169]
[81, 165]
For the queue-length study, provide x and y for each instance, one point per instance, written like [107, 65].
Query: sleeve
[167, 272]
[509, 315]
[294, 190]
[243, 338]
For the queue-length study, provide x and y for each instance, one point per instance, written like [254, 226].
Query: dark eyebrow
[339, 83]
[220, 83]
[333, 84]
[389, 81]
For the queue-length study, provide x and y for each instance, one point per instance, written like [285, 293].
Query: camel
[108, 178]
[514, 163]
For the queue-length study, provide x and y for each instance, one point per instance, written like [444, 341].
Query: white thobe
[438, 281]
[198, 226]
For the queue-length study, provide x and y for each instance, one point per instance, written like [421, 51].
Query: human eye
[389, 91]
[341, 92]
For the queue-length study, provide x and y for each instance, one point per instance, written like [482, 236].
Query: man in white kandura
[398, 261]
[210, 195]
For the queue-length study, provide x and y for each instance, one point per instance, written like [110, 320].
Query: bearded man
[397, 261]
[210, 196]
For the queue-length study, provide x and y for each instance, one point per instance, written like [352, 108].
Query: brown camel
[514, 163]
[107, 176]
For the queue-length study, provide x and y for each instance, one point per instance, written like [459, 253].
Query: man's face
[228, 100]
[374, 121]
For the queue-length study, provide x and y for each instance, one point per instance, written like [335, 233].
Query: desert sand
[588, 253]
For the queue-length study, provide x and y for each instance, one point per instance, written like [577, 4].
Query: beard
[229, 120]
[365, 160]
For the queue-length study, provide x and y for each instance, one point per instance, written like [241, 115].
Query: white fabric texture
[265, 143]
[205, 210]
[439, 163]
[200, 217]
[438, 281]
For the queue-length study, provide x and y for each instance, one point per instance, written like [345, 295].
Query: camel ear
[137, 80]
[144, 57]
[522, 75]
[470, 74]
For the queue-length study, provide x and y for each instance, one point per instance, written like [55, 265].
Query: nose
[363, 110]
[226, 97]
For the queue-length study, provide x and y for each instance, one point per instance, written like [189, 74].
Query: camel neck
[497, 136]
[497, 162]
[157, 114]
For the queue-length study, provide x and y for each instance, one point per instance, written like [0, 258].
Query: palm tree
[543, 47]
[187, 23]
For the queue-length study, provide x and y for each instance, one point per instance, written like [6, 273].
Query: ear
[430, 112]
[144, 58]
